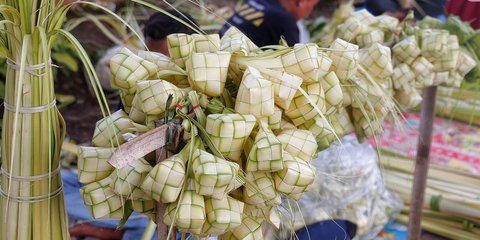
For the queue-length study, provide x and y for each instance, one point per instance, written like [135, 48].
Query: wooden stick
[162, 154]
[162, 229]
[422, 163]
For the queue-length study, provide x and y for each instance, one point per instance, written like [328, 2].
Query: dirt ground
[81, 115]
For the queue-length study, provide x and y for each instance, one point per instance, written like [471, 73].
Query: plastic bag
[349, 186]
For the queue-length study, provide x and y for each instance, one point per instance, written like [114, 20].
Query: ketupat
[153, 96]
[222, 215]
[190, 215]
[262, 192]
[299, 143]
[101, 200]
[108, 131]
[206, 43]
[92, 164]
[308, 105]
[345, 58]
[126, 181]
[165, 181]
[212, 175]
[266, 153]
[180, 46]
[255, 95]
[295, 178]
[127, 68]
[229, 132]
[207, 72]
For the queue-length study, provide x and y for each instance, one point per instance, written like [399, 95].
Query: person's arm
[377, 7]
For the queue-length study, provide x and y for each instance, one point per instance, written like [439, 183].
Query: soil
[81, 115]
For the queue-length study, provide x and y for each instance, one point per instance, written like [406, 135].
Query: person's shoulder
[258, 12]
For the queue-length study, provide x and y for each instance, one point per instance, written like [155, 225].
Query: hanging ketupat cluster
[245, 151]
[422, 56]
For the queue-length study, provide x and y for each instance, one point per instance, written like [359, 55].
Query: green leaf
[66, 60]
[2, 89]
[127, 212]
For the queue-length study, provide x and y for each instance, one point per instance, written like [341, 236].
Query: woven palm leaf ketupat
[101, 200]
[229, 132]
[274, 120]
[153, 95]
[109, 130]
[333, 93]
[368, 39]
[92, 164]
[147, 207]
[255, 95]
[127, 68]
[407, 50]
[345, 58]
[303, 61]
[212, 175]
[206, 43]
[301, 108]
[266, 153]
[165, 181]
[377, 61]
[448, 61]
[264, 194]
[434, 43]
[236, 42]
[403, 77]
[295, 177]
[127, 100]
[249, 229]
[180, 46]
[136, 112]
[285, 87]
[408, 99]
[364, 16]
[440, 77]
[207, 72]
[167, 68]
[465, 63]
[423, 71]
[222, 215]
[350, 29]
[126, 181]
[190, 216]
[299, 143]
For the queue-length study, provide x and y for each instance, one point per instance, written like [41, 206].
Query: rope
[29, 178]
[30, 110]
[31, 199]
[30, 68]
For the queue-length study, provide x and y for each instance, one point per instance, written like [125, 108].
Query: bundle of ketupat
[433, 55]
[244, 151]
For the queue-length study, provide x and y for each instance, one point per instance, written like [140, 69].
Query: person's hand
[407, 4]
[396, 14]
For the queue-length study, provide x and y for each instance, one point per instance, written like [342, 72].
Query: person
[265, 22]
[159, 26]
[399, 9]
